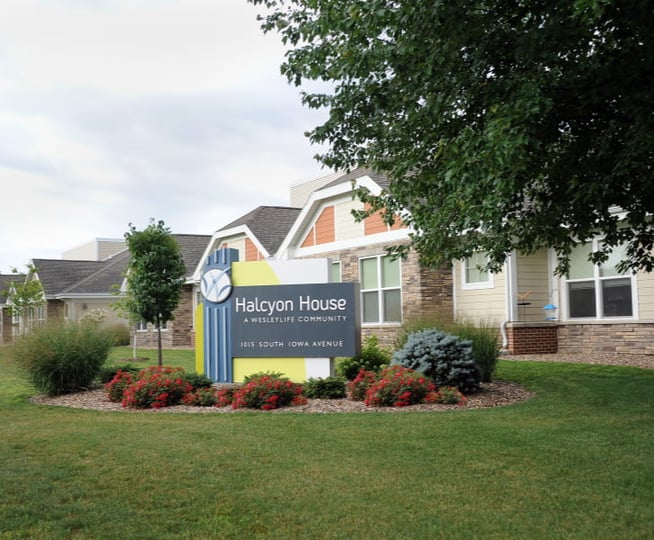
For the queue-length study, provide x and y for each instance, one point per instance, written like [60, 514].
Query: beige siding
[300, 193]
[346, 227]
[533, 278]
[95, 250]
[480, 305]
[645, 284]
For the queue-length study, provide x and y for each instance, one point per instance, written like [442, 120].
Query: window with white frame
[381, 296]
[598, 291]
[141, 326]
[474, 276]
[335, 272]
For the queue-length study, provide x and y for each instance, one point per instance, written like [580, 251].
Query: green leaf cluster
[503, 125]
[155, 275]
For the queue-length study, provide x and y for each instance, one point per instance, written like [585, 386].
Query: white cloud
[116, 111]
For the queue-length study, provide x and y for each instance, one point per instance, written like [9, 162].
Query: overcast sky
[117, 111]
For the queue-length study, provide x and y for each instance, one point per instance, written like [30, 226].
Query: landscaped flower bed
[159, 387]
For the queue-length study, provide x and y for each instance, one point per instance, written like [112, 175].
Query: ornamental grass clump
[398, 386]
[156, 387]
[267, 392]
[63, 358]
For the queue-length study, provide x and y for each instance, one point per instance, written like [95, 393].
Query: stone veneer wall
[6, 332]
[182, 330]
[424, 291]
[619, 338]
[179, 332]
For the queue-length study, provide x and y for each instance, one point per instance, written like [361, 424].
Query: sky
[116, 112]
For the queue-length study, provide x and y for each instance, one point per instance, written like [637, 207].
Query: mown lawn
[576, 461]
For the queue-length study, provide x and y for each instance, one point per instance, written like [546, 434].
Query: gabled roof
[86, 278]
[191, 248]
[104, 279]
[57, 275]
[5, 281]
[340, 187]
[269, 224]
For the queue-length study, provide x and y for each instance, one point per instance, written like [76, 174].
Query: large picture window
[597, 291]
[381, 296]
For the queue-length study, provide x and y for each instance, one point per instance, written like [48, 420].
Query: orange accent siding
[309, 239]
[325, 226]
[251, 251]
[375, 223]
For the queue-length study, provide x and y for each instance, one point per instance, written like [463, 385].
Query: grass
[576, 461]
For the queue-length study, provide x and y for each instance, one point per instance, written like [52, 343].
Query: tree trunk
[159, 343]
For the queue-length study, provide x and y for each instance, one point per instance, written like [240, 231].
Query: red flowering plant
[398, 386]
[448, 395]
[358, 386]
[267, 391]
[202, 397]
[116, 386]
[156, 387]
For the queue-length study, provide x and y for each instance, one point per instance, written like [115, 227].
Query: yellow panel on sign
[293, 368]
[253, 273]
[199, 340]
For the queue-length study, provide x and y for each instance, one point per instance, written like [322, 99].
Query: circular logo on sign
[216, 285]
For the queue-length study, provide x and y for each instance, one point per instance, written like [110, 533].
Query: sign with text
[304, 320]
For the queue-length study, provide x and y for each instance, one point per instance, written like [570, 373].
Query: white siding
[346, 227]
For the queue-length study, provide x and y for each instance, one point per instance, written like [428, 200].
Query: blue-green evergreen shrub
[444, 358]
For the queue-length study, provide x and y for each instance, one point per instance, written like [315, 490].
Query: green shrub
[325, 388]
[444, 358]
[260, 374]
[371, 358]
[107, 373]
[197, 380]
[64, 358]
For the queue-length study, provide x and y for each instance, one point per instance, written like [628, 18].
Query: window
[335, 272]
[141, 326]
[597, 291]
[381, 297]
[474, 277]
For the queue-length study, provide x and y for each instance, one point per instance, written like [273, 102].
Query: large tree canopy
[503, 125]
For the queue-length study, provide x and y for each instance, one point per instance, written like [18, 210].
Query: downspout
[510, 289]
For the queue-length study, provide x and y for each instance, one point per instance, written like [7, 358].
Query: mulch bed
[494, 394]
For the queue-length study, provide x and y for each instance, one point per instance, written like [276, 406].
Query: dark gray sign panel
[306, 320]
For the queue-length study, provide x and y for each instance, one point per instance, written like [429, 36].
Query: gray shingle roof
[61, 277]
[5, 280]
[270, 224]
[191, 248]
